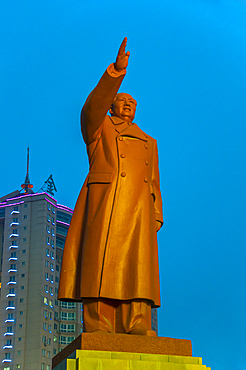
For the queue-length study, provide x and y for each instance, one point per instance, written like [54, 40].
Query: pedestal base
[127, 352]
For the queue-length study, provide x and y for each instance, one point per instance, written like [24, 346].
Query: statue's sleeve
[156, 186]
[98, 103]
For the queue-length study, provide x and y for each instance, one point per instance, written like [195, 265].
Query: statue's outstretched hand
[122, 57]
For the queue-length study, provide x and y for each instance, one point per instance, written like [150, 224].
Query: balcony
[9, 320]
[7, 360]
[12, 270]
[11, 282]
[13, 246]
[15, 212]
[13, 235]
[14, 224]
[11, 295]
[10, 308]
[7, 346]
[13, 259]
[8, 333]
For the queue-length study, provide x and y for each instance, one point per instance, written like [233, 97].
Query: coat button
[123, 174]
[146, 146]
[145, 180]
[146, 162]
[120, 138]
[123, 155]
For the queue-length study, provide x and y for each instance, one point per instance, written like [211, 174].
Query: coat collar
[125, 129]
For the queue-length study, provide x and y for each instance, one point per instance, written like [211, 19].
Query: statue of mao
[110, 259]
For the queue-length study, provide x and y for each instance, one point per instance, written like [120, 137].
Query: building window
[20, 339]
[49, 328]
[20, 326]
[48, 218]
[23, 263]
[67, 328]
[47, 367]
[15, 219]
[44, 339]
[57, 268]
[24, 239]
[16, 208]
[25, 217]
[49, 341]
[51, 291]
[53, 220]
[9, 329]
[52, 232]
[21, 312]
[52, 267]
[65, 340]
[12, 278]
[46, 263]
[56, 290]
[68, 316]
[14, 242]
[50, 303]
[47, 252]
[50, 315]
[18, 366]
[25, 205]
[42, 366]
[10, 316]
[22, 275]
[22, 287]
[68, 305]
[44, 326]
[55, 338]
[56, 302]
[48, 240]
[48, 354]
[24, 227]
[46, 301]
[21, 300]
[47, 276]
[48, 229]
[54, 351]
[52, 255]
[53, 209]
[55, 326]
[43, 352]
[57, 280]
[24, 251]
[14, 231]
[51, 279]
[7, 356]
[48, 206]
[46, 289]
[52, 243]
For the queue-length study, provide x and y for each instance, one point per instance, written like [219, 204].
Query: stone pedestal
[127, 352]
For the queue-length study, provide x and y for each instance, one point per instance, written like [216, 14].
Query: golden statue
[110, 259]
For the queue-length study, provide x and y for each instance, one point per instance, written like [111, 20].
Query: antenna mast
[27, 184]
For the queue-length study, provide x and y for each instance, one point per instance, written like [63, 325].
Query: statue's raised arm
[102, 97]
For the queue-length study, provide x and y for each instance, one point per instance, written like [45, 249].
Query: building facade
[34, 325]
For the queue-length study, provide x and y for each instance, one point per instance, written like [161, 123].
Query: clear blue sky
[187, 72]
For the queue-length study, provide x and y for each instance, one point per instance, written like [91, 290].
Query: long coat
[111, 245]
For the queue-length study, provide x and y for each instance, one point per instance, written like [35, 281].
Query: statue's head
[124, 106]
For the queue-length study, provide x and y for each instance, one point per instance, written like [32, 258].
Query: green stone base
[107, 360]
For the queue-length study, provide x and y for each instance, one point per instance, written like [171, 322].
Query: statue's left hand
[122, 57]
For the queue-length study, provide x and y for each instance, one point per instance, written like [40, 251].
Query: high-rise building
[34, 325]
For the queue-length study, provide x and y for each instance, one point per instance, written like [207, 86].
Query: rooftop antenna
[26, 186]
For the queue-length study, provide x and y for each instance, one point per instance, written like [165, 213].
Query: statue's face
[124, 107]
